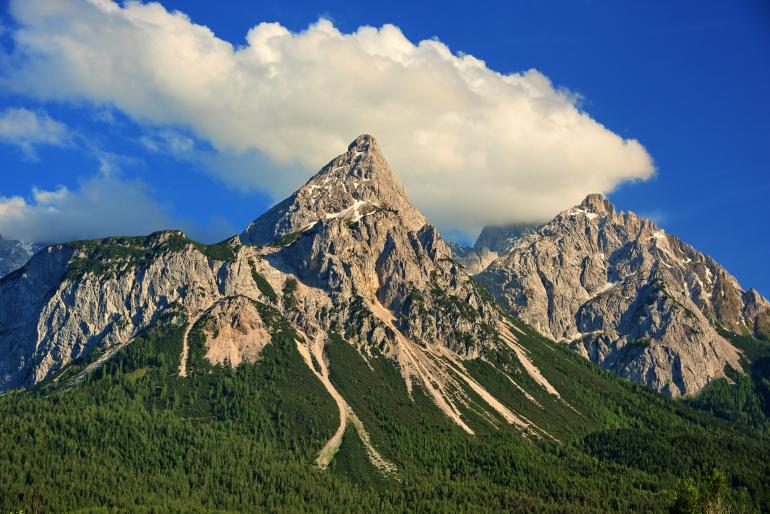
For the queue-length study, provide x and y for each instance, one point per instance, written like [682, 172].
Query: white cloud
[103, 205]
[168, 141]
[473, 146]
[27, 129]
[100, 206]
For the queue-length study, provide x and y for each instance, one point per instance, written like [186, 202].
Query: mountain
[628, 296]
[333, 357]
[346, 254]
[492, 242]
[14, 254]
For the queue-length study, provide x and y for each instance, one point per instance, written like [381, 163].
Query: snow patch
[579, 335]
[355, 212]
[575, 211]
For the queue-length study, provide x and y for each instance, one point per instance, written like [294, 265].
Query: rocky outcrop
[72, 299]
[235, 332]
[628, 296]
[754, 315]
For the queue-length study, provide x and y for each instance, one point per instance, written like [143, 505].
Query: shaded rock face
[361, 262]
[628, 296]
[500, 239]
[493, 241]
[14, 254]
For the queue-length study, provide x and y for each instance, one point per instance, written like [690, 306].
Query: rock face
[500, 239]
[628, 296]
[14, 254]
[493, 241]
[346, 255]
[235, 332]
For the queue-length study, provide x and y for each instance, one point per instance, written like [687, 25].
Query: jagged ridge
[628, 296]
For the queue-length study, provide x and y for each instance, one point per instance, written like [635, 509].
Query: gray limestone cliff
[628, 296]
[351, 186]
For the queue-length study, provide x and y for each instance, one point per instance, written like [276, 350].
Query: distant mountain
[628, 296]
[459, 250]
[493, 241]
[14, 254]
[501, 238]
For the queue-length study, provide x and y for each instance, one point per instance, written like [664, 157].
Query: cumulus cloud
[100, 206]
[27, 129]
[103, 205]
[472, 145]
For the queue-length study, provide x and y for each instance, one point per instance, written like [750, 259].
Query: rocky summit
[349, 254]
[353, 185]
[628, 296]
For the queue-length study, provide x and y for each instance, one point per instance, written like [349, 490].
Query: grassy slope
[134, 436]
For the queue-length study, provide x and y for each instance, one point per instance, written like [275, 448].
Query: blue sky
[686, 80]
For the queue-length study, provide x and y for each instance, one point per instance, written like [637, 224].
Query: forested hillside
[133, 436]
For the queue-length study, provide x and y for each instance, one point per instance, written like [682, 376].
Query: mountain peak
[354, 184]
[500, 238]
[597, 203]
[592, 207]
[603, 280]
[364, 143]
